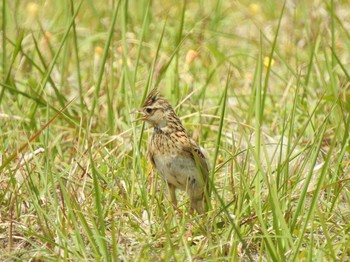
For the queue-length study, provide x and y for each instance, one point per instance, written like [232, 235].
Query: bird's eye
[149, 110]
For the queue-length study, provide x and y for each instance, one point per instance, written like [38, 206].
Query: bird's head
[156, 110]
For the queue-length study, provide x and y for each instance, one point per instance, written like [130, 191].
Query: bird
[177, 158]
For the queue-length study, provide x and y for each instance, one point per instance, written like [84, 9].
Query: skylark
[176, 157]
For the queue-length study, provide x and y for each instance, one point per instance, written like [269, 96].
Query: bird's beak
[142, 118]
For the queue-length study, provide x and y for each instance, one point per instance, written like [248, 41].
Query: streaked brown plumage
[178, 159]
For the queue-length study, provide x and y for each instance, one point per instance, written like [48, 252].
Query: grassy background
[263, 86]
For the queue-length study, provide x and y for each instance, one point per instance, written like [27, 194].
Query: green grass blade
[103, 61]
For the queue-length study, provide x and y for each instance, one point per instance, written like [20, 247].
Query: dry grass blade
[33, 137]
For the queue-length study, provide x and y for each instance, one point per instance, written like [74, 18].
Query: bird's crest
[152, 97]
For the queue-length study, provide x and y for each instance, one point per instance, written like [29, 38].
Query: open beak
[142, 118]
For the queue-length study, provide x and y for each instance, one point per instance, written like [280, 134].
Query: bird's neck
[171, 125]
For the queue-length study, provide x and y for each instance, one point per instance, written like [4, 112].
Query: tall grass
[263, 86]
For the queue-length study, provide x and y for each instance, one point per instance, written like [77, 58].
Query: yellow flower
[32, 9]
[98, 50]
[190, 56]
[254, 9]
[267, 61]
[46, 39]
[48, 36]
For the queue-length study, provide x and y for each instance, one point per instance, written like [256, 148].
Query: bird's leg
[172, 194]
[197, 204]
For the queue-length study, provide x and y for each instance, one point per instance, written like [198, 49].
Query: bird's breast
[175, 165]
[176, 169]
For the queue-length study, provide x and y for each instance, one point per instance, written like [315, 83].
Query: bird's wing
[198, 156]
